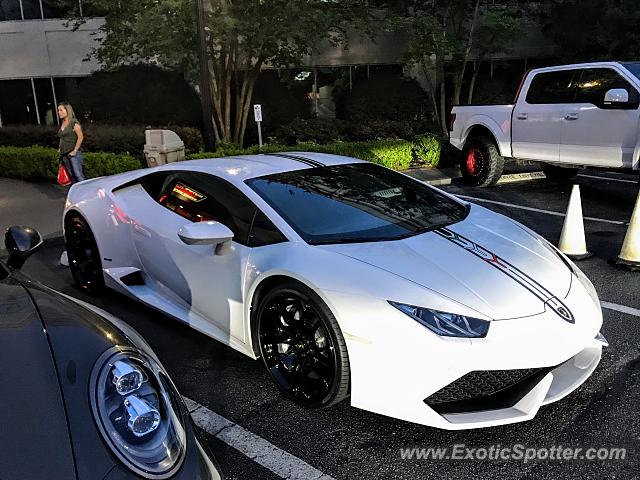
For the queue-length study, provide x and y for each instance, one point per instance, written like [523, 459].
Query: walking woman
[71, 137]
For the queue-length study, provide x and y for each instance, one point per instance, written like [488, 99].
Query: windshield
[633, 67]
[359, 202]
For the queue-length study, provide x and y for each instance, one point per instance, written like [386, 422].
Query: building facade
[41, 57]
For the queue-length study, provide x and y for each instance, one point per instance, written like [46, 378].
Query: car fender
[501, 133]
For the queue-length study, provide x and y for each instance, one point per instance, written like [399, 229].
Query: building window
[17, 106]
[46, 105]
[10, 10]
[31, 10]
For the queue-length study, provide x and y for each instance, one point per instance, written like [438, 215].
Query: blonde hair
[71, 115]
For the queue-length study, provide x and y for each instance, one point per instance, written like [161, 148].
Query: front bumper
[552, 386]
[397, 364]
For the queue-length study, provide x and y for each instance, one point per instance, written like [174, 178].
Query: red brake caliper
[472, 165]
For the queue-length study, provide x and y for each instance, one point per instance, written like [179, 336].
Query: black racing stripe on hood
[511, 271]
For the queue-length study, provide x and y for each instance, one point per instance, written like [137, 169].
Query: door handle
[522, 116]
[571, 116]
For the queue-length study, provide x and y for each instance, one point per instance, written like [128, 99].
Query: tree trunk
[472, 84]
[465, 58]
[443, 109]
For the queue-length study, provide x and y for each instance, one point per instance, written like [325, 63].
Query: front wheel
[481, 164]
[559, 174]
[302, 346]
[83, 255]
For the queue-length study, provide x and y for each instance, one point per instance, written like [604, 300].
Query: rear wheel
[481, 164]
[84, 258]
[302, 346]
[559, 174]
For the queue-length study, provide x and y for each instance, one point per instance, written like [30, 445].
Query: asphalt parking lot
[281, 440]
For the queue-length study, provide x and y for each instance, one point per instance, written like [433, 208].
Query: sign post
[257, 112]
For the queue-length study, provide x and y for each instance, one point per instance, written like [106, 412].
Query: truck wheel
[481, 164]
[559, 174]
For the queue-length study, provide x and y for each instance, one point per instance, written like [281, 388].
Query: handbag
[63, 176]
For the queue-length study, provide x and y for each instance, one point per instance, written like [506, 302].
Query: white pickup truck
[568, 117]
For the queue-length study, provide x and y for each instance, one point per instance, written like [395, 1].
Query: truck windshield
[358, 202]
[633, 67]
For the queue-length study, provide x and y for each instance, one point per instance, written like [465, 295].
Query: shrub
[98, 138]
[427, 150]
[28, 135]
[41, 163]
[384, 96]
[390, 153]
[319, 130]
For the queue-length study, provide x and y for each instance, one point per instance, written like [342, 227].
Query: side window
[264, 232]
[200, 197]
[595, 82]
[552, 88]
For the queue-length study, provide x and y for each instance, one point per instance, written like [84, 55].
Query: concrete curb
[445, 176]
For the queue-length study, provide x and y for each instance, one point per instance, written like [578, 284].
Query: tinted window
[595, 82]
[551, 87]
[202, 198]
[264, 232]
[355, 203]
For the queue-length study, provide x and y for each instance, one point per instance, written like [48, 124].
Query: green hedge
[41, 163]
[97, 138]
[393, 153]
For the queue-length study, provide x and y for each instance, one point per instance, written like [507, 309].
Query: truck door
[538, 117]
[598, 133]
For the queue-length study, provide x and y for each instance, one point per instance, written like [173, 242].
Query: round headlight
[135, 407]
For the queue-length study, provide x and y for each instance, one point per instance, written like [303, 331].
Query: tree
[243, 36]
[586, 30]
[443, 37]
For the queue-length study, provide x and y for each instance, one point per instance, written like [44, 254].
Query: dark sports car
[83, 395]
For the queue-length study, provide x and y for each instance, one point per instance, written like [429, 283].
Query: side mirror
[21, 242]
[616, 96]
[207, 233]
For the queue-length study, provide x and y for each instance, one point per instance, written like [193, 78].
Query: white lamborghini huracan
[346, 279]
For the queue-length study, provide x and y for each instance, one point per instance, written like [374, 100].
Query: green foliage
[242, 36]
[383, 97]
[427, 150]
[322, 130]
[587, 30]
[98, 138]
[27, 135]
[137, 94]
[391, 153]
[41, 163]
[319, 130]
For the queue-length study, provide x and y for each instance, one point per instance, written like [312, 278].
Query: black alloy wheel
[84, 257]
[302, 347]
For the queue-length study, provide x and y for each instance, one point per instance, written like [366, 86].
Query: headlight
[135, 407]
[446, 324]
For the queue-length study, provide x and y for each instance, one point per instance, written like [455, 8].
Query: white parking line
[623, 180]
[621, 308]
[256, 448]
[548, 212]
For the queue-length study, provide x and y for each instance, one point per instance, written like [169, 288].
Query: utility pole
[205, 88]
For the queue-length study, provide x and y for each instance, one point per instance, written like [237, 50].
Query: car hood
[487, 262]
[35, 440]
